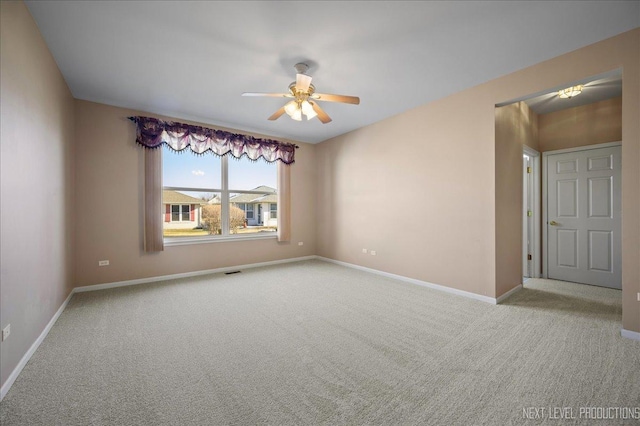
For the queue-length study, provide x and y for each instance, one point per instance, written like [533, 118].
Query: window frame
[249, 209]
[225, 204]
[181, 212]
[271, 210]
[175, 213]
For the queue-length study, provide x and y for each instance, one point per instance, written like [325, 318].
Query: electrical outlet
[103, 263]
[638, 297]
[364, 251]
[6, 332]
[301, 243]
[373, 252]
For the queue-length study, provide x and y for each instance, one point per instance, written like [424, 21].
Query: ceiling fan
[304, 98]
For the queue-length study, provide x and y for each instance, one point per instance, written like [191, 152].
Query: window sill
[183, 241]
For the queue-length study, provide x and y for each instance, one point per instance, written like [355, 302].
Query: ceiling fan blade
[277, 114]
[272, 95]
[336, 98]
[302, 82]
[322, 116]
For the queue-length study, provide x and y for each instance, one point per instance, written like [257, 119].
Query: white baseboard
[27, 356]
[446, 289]
[96, 287]
[509, 293]
[633, 335]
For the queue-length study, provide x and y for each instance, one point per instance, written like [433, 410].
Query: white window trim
[183, 241]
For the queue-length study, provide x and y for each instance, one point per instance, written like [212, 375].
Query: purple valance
[153, 132]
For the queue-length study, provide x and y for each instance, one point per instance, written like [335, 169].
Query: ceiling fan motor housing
[296, 93]
[301, 67]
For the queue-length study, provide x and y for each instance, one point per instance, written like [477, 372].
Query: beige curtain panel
[284, 202]
[153, 241]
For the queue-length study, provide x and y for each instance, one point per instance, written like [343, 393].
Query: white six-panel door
[584, 216]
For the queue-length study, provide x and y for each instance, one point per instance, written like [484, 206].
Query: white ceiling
[193, 60]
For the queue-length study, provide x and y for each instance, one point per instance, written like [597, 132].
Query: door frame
[535, 219]
[545, 204]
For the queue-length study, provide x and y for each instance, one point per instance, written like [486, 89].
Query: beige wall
[36, 185]
[595, 123]
[515, 125]
[416, 188]
[517, 122]
[109, 196]
[420, 187]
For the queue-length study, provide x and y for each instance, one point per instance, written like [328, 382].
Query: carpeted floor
[317, 343]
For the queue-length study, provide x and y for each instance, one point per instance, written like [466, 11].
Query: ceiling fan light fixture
[290, 108]
[297, 115]
[570, 92]
[307, 110]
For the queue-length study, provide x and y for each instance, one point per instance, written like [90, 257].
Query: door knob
[553, 223]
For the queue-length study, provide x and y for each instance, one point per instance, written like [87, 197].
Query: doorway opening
[548, 121]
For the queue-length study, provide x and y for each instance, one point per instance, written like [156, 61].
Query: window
[273, 209]
[180, 213]
[211, 197]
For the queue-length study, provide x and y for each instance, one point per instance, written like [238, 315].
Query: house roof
[244, 198]
[273, 198]
[264, 188]
[253, 198]
[257, 198]
[175, 197]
